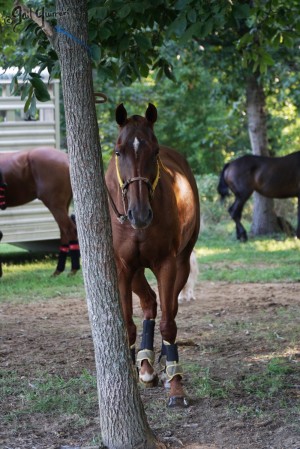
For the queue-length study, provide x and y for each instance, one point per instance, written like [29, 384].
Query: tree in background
[252, 41]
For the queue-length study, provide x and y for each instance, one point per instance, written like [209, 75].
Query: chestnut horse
[2, 205]
[155, 214]
[42, 173]
[273, 177]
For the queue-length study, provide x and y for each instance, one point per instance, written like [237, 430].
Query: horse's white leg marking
[187, 293]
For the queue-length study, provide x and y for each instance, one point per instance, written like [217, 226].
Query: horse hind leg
[235, 212]
[1, 272]
[146, 356]
[69, 242]
[74, 248]
[188, 291]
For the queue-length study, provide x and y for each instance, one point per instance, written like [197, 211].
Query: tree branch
[40, 21]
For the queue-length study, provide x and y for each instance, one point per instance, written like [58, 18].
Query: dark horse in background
[273, 177]
[42, 173]
[155, 216]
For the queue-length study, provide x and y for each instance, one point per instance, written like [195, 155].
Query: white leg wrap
[173, 369]
[145, 354]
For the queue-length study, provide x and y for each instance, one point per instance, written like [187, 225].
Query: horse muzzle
[140, 218]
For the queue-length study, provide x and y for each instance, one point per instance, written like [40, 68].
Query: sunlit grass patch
[222, 258]
[33, 280]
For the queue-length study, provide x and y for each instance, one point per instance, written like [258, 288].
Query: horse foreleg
[168, 299]
[235, 212]
[124, 279]
[146, 356]
[298, 224]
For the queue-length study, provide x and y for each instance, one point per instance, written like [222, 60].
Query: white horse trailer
[31, 226]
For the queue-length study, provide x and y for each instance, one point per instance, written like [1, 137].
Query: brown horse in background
[42, 173]
[157, 228]
[2, 205]
[273, 177]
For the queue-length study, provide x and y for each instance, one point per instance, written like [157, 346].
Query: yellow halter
[124, 185]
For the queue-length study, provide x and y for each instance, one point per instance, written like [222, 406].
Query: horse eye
[156, 151]
[117, 153]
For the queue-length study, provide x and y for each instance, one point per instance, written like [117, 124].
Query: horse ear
[121, 115]
[151, 113]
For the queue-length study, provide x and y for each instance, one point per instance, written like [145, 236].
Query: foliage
[126, 38]
[207, 49]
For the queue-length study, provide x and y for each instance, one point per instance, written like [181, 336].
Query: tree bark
[264, 219]
[123, 421]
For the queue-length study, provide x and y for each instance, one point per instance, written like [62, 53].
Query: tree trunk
[122, 419]
[264, 219]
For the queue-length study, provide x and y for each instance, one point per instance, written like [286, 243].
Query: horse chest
[142, 246]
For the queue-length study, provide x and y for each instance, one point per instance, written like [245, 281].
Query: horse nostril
[130, 215]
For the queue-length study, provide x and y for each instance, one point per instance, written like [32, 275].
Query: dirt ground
[231, 332]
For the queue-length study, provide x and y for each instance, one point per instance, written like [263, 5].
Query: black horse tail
[223, 189]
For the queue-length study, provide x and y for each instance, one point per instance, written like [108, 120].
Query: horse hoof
[56, 273]
[178, 401]
[149, 384]
[72, 272]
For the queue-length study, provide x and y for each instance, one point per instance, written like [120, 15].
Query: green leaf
[182, 4]
[93, 31]
[98, 12]
[194, 30]
[178, 26]
[25, 90]
[14, 85]
[241, 11]
[28, 101]
[40, 89]
[34, 75]
[104, 33]
[124, 44]
[95, 51]
[159, 74]
[124, 11]
[246, 39]
[143, 42]
[192, 15]
[32, 109]
[144, 70]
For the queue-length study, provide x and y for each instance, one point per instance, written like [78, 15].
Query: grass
[50, 395]
[220, 256]
[203, 385]
[271, 382]
[27, 277]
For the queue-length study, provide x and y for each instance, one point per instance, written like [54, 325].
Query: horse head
[137, 168]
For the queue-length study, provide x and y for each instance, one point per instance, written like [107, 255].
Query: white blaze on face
[136, 144]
